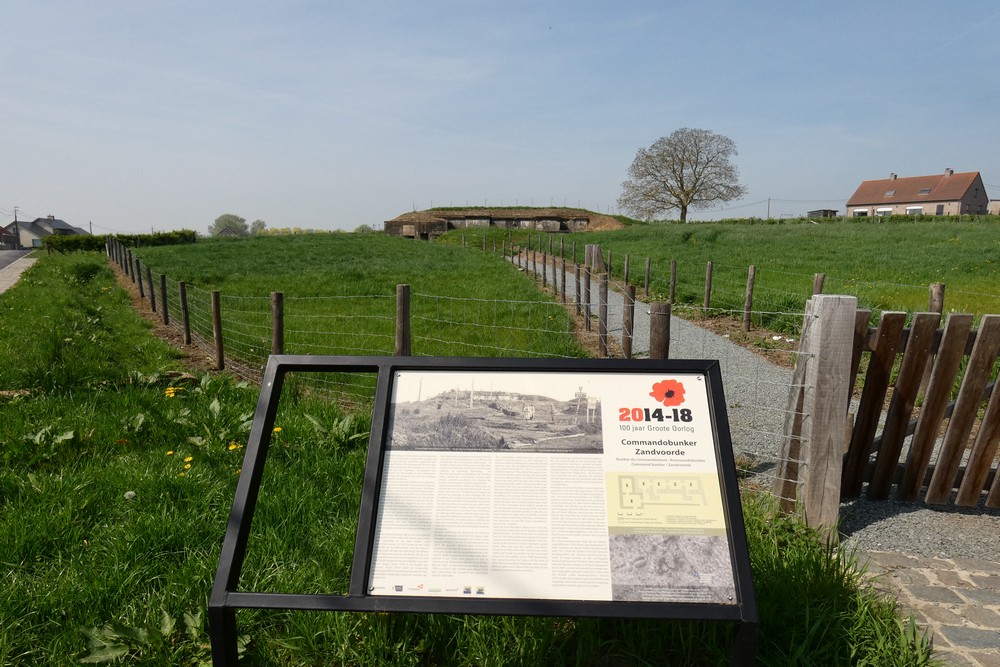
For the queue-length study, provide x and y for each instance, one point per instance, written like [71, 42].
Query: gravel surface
[756, 394]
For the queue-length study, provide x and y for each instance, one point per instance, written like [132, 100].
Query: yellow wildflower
[188, 459]
[187, 466]
[170, 453]
[277, 429]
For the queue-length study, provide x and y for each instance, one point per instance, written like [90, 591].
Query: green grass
[887, 264]
[340, 296]
[112, 535]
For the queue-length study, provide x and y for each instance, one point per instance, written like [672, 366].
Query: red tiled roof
[940, 187]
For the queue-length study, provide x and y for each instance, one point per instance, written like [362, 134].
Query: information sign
[528, 487]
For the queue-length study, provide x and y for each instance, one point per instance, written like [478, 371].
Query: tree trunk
[684, 213]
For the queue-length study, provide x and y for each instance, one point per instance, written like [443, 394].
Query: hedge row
[61, 243]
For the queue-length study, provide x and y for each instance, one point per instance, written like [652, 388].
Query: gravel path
[756, 394]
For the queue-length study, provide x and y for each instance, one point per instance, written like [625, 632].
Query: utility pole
[17, 232]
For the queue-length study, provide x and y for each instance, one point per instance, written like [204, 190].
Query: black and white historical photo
[496, 412]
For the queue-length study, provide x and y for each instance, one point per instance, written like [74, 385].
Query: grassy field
[887, 265]
[340, 292]
[119, 470]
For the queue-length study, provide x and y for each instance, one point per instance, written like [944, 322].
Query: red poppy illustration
[668, 392]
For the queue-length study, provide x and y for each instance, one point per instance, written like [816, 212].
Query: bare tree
[690, 169]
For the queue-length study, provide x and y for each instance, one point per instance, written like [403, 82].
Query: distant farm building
[942, 194]
[428, 225]
[822, 213]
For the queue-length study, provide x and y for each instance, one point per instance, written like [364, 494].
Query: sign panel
[564, 486]
[553, 487]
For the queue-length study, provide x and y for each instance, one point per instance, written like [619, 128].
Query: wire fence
[748, 318]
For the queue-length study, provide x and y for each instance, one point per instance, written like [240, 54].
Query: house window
[940, 210]
[883, 211]
[924, 191]
[889, 193]
[860, 213]
[914, 210]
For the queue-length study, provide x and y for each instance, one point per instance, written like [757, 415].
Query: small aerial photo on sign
[496, 412]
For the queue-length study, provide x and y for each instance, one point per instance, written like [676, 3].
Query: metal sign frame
[226, 597]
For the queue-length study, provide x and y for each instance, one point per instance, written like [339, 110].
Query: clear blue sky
[138, 115]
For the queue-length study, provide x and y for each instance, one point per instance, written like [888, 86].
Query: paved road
[12, 265]
[9, 256]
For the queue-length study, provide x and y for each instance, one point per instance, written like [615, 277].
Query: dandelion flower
[188, 459]
[277, 429]
[187, 466]
[170, 453]
[233, 446]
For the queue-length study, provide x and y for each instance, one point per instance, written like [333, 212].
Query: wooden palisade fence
[833, 447]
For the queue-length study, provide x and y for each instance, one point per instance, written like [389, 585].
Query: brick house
[944, 194]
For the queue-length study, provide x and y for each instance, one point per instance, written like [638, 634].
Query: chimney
[949, 171]
[892, 177]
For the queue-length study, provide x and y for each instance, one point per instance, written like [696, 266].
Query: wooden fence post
[659, 330]
[220, 355]
[673, 281]
[579, 294]
[748, 299]
[545, 272]
[562, 263]
[646, 279]
[185, 314]
[818, 280]
[812, 449]
[163, 299]
[277, 323]
[708, 288]
[586, 298]
[152, 290]
[402, 321]
[936, 305]
[625, 269]
[602, 316]
[138, 273]
[936, 300]
[628, 321]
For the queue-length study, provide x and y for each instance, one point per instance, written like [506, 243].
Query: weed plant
[111, 536]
